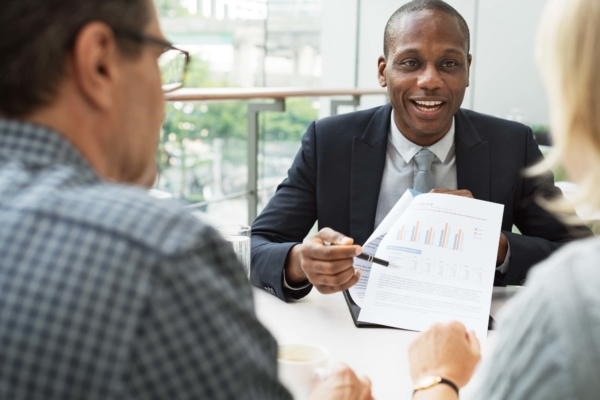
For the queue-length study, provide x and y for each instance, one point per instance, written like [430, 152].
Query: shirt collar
[36, 145]
[408, 149]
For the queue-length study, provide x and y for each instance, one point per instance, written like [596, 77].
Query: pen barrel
[373, 259]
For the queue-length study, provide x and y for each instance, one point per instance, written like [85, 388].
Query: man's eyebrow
[454, 51]
[411, 50]
[408, 52]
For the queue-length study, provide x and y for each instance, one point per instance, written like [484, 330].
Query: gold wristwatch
[429, 381]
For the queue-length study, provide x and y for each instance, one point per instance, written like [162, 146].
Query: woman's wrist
[440, 391]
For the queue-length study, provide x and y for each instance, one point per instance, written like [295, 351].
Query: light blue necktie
[424, 180]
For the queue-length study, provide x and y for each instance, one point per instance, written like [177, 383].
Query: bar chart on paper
[441, 251]
[446, 235]
[437, 246]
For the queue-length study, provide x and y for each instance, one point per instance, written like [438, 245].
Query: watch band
[437, 380]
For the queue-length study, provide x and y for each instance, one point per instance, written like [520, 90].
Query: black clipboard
[355, 311]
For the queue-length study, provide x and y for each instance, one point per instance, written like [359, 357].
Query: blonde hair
[568, 55]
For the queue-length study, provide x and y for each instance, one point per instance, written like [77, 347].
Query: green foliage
[171, 8]
[292, 124]
[540, 128]
[224, 120]
[227, 120]
[199, 75]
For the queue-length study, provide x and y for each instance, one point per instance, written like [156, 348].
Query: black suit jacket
[337, 174]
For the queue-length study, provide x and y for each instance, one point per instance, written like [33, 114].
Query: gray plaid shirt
[106, 293]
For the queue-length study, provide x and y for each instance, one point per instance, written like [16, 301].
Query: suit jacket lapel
[472, 159]
[368, 162]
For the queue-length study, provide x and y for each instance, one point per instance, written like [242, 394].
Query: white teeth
[428, 103]
[427, 109]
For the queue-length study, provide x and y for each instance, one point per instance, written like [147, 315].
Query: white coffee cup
[300, 366]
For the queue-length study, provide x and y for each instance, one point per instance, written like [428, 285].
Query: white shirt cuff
[503, 268]
[287, 286]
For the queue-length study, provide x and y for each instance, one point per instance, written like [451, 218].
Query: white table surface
[379, 353]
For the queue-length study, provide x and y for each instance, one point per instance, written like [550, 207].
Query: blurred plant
[540, 128]
[171, 8]
[188, 124]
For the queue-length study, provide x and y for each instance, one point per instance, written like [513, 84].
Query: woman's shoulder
[544, 348]
[576, 266]
[562, 302]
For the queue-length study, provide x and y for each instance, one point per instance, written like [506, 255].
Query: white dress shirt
[400, 168]
[400, 171]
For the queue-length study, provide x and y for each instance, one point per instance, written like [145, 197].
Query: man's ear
[95, 64]
[381, 64]
[469, 61]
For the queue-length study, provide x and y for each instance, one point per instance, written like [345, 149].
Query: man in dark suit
[353, 168]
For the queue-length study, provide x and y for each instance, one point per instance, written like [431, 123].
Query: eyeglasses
[173, 62]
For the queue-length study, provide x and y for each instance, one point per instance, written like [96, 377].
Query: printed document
[442, 252]
[357, 292]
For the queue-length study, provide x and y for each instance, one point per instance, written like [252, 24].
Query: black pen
[376, 260]
[365, 257]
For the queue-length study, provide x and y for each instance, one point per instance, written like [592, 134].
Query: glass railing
[223, 152]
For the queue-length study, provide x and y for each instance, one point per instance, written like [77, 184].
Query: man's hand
[462, 193]
[502, 250]
[445, 350]
[329, 268]
[343, 384]
[502, 246]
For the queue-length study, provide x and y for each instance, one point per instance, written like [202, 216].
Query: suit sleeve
[286, 221]
[542, 233]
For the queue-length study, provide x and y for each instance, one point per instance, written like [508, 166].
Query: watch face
[427, 382]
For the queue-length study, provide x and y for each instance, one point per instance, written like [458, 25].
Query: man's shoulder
[131, 214]
[483, 122]
[356, 121]
[574, 268]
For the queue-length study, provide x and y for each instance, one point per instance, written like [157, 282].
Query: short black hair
[36, 35]
[421, 5]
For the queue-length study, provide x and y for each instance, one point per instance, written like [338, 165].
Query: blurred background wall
[311, 43]
[505, 81]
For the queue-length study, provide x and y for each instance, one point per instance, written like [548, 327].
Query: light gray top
[400, 168]
[548, 343]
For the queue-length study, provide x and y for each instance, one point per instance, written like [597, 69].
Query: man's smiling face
[426, 72]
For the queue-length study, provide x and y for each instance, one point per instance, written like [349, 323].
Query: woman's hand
[446, 350]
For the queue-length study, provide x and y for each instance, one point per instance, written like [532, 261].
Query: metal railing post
[253, 110]
[336, 103]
